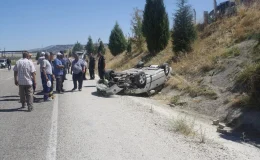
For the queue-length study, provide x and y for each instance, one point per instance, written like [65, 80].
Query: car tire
[109, 74]
[140, 79]
[166, 68]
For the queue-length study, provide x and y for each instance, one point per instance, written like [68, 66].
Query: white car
[136, 80]
[3, 63]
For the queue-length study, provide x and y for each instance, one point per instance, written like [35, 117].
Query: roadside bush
[232, 52]
[184, 126]
[249, 81]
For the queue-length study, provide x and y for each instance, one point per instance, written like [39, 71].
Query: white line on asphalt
[52, 145]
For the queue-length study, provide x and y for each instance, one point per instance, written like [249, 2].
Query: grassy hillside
[214, 41]
[217, 75]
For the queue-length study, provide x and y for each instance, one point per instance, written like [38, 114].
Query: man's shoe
[48, 100]
[23, 106]
[30, 109]
[79, 89]
[74, 89]
[62, 90]
[65, 79]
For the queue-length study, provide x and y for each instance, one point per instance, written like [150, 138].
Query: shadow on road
[101, 95]
[11, 100]
[240, 137]
[9, 96]
[13, 110]
[90, 86]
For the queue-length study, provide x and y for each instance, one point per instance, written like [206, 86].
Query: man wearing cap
[22, 77]
[78, 68]
[40, 62]
[47, 74]
[58, 72]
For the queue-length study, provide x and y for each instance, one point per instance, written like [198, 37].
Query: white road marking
[52, 145]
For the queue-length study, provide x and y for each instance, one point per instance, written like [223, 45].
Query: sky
[30, 24]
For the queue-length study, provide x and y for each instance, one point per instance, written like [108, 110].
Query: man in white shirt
[23, 71]
[47, 76]
[30, 59]
[40, 62]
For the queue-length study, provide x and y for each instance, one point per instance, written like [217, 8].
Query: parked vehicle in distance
[3, 63]
[138, 80]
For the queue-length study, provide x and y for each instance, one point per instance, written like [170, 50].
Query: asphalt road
[82, 125]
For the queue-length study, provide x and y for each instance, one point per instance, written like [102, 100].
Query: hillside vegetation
[217, 74]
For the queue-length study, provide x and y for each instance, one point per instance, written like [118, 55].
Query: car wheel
[140, 79]
[166, 68]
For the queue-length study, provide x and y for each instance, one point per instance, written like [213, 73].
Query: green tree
[184, 32]
[129, 46]
[136, 27]
[38, 55]
[90, 46]
[77, 47]
[101, 47]
[117, 41]
[70, 53]
[155, 26]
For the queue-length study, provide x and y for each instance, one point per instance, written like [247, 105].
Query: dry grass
[184, 126]
[217, 37]
[195, 91]
[175, 100]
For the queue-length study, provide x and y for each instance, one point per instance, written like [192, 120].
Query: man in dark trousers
[8, 63]
[78, 69]
[92, 62]
[58, 72]
[101, 65]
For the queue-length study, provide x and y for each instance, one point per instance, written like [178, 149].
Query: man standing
[30, 59]
[47, 72]
[53, 76]
[58, 72]
[40, 62]
[92, 62]
[78, 68]
[8, 61]
[64, 62]
[101, 65]
[22, 77]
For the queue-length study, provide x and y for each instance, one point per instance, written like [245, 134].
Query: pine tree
[90, 46]
[117, 41]
[155, 26]
[136, 27]
[129, 46]
[101, 47]
[77, 47]
[38, 55]
[184, 32]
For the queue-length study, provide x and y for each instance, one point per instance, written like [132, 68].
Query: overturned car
[139, 80]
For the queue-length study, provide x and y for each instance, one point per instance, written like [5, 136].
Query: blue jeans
[46, 89]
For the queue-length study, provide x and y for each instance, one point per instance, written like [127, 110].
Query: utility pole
[195, 16]
[206, 17]
[215, 8]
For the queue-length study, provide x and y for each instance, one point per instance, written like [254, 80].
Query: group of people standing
[53, 67]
